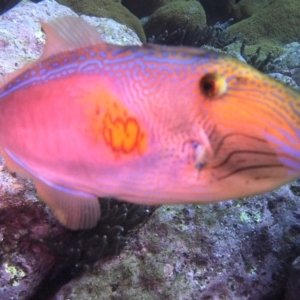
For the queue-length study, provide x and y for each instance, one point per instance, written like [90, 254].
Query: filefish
[146, 124]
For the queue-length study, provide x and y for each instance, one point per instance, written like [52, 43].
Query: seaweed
[253, 60]
[76, 251]
[216, 36]
[106, 239]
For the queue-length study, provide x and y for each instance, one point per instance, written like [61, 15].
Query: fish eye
[212, 85]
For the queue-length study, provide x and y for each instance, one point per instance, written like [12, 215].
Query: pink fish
[146, 124]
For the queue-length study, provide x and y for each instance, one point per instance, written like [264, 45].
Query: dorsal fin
[68, 33]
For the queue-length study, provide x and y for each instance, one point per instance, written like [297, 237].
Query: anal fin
[74, 209]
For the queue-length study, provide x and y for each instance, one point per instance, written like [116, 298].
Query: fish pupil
[208, 85]
[212, 85]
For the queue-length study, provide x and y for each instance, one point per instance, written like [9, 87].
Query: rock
[293, 285]
[230, 250]
[19, 46]
[110, 9]
[24, 222]
[185, 15]
[246, 8]
[288, 64]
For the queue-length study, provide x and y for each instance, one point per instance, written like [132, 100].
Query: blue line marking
[41, 178]
[90, 64]
[102, 54]
[290, 163]
[284, 148]
[123, 59]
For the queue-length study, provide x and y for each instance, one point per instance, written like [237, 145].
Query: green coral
[270, 25]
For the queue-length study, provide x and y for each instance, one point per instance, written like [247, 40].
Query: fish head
[236, 131]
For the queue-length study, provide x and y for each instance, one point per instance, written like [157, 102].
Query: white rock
[21, 38]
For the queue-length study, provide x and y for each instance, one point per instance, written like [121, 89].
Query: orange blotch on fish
[113, 122]
[123, 134]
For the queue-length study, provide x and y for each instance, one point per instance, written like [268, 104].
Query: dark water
[5, 5]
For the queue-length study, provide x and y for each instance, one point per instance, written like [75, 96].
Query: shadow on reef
[76, 253]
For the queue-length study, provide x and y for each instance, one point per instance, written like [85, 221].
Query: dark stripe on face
[230, 154]
[226, 136]
[247, 168]
[239, 152]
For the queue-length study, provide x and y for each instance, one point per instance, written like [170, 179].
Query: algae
[107, 9]
[277, 22]
[184, 15]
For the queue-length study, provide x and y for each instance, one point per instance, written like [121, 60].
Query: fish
[6, 5]
[146, 124]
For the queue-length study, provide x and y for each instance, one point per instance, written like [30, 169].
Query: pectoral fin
[74, 209]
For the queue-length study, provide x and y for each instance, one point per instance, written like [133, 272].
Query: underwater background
[243, 249]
